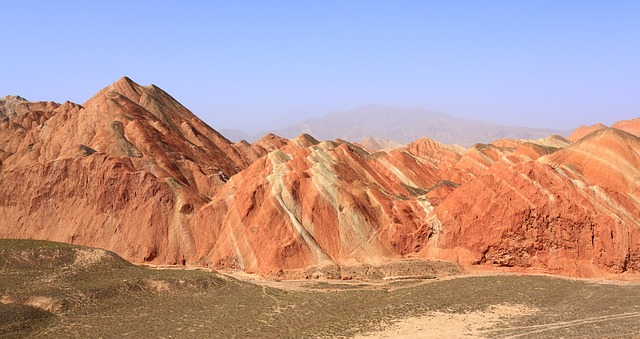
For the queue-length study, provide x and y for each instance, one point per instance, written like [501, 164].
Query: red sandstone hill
[133, 171]
[584, 130]
[574, 211]
[631, 126]
[124, 171]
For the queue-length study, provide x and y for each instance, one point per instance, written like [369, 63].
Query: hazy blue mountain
[235, 135]
[408, 124]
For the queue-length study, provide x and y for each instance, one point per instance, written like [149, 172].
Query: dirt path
[264, 291]
[535, 329]
[390, 283]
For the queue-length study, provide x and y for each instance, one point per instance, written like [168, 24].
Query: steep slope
[133, 171]
[124, 171]
[321, 206]
[574, 211]
[404, 125]
[524, 204]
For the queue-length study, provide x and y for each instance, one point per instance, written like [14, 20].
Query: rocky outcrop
[320, 205]
[124, 171]
[133, 171]
[573, 211]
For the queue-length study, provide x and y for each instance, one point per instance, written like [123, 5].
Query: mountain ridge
[404, 125]
[133, 171]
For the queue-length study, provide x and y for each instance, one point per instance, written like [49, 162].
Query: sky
[260, 65]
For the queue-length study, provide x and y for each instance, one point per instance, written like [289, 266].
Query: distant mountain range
[236, 135]
[404, 125]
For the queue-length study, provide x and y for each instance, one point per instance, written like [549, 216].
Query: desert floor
[57, 290]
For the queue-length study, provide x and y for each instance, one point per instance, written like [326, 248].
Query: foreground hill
[404, 125]
[53, 290]
[133, 171]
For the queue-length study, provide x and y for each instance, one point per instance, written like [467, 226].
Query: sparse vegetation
[107, 297]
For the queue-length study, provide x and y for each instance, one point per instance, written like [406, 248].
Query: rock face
[133, 171]
[573, 211]
[125, 171]
[324, 205]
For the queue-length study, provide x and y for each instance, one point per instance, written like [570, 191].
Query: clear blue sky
[256, 65]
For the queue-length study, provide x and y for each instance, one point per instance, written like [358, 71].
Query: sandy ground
[452, 325]
[498, 320]
[303, 284]
[489, 323]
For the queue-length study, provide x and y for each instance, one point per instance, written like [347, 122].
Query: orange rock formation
[133, 171]
[124, 171]
[584, 130]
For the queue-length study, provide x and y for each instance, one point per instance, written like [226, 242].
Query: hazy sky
[256, 65]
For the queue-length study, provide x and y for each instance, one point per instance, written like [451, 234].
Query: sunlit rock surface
[133, 171]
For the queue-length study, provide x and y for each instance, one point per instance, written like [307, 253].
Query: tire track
[534, 329]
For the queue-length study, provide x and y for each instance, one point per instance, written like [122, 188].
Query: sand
[476, 324]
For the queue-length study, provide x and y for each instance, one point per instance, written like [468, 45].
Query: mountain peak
[146, 178]
[606, 134]
[126, 87]
[632, 126]
[583, 131]
[126, 81]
